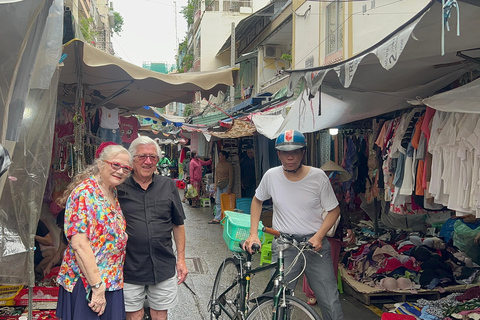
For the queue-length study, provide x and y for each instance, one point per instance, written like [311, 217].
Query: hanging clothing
[129, 129]
[109, 118]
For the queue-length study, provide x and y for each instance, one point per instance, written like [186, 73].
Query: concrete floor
[205, 250]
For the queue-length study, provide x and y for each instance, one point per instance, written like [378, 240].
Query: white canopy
[463, 99]
[405, 65]
[115, 81]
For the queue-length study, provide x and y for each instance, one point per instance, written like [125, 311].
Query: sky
[149, 33]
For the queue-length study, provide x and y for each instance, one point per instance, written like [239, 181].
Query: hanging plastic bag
[191, 192]
[463, 239]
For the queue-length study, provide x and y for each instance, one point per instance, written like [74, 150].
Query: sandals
[213, 222]
[312, 301]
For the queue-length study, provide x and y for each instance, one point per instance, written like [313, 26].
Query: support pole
[232, 62]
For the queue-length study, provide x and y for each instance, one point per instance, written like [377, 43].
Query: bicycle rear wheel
[226, 304]
[295, 309]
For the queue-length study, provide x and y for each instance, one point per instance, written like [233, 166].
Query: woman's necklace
[108, 194]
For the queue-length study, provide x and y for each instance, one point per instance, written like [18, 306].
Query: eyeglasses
[143, 157]
[117, 166]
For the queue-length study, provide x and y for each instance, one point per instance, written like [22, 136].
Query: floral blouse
[88, 211]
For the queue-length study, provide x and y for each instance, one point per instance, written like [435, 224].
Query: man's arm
[255, 212]
[328, 222]
[179, 238]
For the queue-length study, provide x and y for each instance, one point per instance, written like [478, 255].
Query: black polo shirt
[150, 216]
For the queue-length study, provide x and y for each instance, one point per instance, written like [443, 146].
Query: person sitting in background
[91, 273]
[41, 258]
[196, 175]
[223, 183]
[57, 257]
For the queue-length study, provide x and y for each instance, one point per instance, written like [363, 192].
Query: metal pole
[232, 63]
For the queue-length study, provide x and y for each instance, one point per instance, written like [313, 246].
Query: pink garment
[129, 129]
[335, 247]
[196, 169]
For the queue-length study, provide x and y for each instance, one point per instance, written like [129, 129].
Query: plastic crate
[237, 228]
[21, 299]
[7, 295]
[244, 204]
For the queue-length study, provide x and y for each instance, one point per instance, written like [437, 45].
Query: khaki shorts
[161, 296]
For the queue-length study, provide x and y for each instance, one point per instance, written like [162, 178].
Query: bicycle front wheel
[295, 309]
[226, 298]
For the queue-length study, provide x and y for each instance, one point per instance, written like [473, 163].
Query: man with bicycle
[300, 194]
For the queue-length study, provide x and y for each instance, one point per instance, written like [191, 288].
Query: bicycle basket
[237, 228]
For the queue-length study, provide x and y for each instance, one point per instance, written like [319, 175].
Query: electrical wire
[339, 26]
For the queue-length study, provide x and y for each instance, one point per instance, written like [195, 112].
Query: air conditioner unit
[271, 51]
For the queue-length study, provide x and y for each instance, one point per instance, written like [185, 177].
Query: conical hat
[332, 166]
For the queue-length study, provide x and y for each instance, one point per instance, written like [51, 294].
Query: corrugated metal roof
[210, 119]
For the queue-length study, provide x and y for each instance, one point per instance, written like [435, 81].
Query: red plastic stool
[180, 184]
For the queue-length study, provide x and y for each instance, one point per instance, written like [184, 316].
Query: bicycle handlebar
[255, 246]
[271, 231]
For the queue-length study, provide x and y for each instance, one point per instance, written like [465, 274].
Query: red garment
[103, 146]
[393, 263]
[405, 248]
[196, 169]
[396, 316]
[129, 129]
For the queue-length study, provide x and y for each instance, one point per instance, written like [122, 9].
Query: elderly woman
[91, 273]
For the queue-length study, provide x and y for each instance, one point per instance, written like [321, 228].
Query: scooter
[164, 170]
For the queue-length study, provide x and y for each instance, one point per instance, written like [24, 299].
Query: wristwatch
[96, 285]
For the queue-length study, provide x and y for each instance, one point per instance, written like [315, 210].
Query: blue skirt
[74, 306]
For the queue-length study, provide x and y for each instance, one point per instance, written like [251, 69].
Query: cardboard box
[266, 218]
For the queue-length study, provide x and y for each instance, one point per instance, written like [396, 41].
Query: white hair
[143, 140]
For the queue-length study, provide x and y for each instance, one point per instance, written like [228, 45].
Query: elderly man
[153, 209]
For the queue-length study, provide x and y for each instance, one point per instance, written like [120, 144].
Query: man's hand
[182, 271]
[247, 246]
[316, 243]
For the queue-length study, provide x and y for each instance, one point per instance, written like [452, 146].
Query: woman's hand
[349, 238]
[98, 302]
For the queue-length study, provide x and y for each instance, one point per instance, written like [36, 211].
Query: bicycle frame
[274, 288]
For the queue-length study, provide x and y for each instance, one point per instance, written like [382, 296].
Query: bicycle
[231, 299]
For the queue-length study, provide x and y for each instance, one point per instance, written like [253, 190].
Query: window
[334, 27]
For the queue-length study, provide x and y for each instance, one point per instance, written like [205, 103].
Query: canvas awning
[463, 99]
[113, 80]
[405, 65]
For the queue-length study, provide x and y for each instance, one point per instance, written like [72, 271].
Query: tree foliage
[88, 32]
[188, 11]
[118, 23]
[187, 61]
[188, 111]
